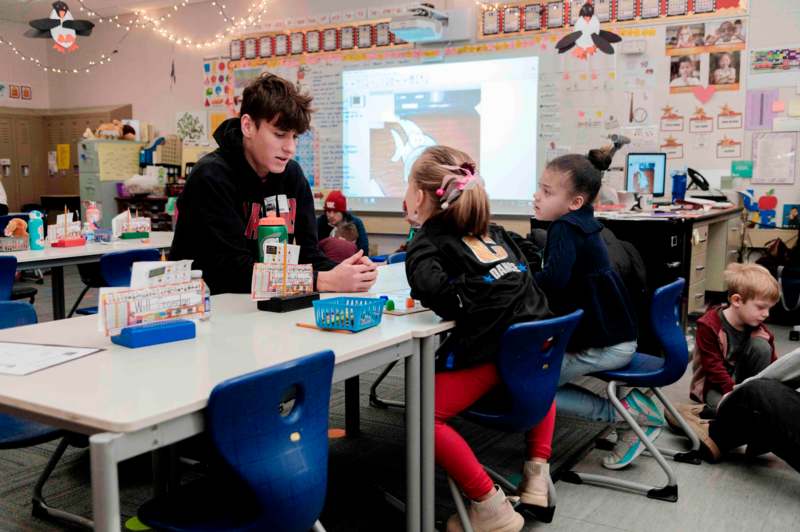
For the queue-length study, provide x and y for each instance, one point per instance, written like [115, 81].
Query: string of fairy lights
[140, 19]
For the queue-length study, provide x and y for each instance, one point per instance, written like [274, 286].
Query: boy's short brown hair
[270, 97]
[348, 231]
[751, 281]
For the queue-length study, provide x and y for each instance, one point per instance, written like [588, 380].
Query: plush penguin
[62, 27]
[588, 36]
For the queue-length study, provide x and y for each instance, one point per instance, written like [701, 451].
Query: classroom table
[134, 401]
[57, 258]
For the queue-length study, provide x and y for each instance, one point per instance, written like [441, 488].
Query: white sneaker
[495, 514]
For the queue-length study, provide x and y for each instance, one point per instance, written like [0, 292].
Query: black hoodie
[219, 209]
[484, 284]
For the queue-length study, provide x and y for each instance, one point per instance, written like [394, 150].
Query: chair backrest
[665, 319]
[281, 457]
[116, 266]
[16, 314]
[8, 270]
[394, 258]
[529, 363]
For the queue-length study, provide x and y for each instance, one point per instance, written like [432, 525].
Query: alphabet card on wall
[729, 119]
[672, 148]
[728, 148]
[700, 122]
[670, 120]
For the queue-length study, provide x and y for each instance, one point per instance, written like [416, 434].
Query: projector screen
[487, 109]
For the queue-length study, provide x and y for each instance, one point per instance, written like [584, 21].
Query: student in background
[577, 274]
[468, 270]
[336, 213]
[686, 76]
[342, 242]
[732, 342]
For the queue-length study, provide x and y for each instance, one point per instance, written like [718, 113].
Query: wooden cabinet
[21, 143]
[26, 137]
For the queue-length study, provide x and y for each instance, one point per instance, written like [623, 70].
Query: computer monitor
[646, 173]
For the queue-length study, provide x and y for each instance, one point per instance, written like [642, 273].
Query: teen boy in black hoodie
[250, 173]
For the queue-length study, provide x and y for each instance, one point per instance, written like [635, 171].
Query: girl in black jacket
[577, 274]
[468, 270]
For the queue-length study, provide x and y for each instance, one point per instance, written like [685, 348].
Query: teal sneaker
[644, 409]
[629, 446]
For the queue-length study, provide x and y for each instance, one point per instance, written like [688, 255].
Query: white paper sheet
[22, 359]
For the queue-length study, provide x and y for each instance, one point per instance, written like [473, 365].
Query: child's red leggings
[455, 392]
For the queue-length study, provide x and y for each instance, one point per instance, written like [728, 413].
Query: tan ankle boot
[495, 514]
[534, 488]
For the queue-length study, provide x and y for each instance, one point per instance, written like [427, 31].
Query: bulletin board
[697, 118]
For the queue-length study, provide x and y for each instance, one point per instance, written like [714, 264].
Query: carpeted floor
[359, 469]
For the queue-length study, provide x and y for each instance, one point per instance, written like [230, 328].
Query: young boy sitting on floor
[732, 342]
[342, 242]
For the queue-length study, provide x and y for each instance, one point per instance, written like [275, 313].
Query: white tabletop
[121, 389]
[89, 252]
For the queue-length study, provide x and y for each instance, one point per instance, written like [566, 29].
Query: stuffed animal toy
[88, 134]
[17, 227]
[112, 130]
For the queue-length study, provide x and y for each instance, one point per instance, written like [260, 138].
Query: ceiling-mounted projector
[425, 23]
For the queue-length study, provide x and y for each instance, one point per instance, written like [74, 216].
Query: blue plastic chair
[529, 364]
[273, 458]
[653, 372]
[115, 270]
[16, 433]
[394, 258]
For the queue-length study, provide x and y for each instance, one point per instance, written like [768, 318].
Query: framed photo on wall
[626, 9]
[236, 50]
[705, 6]
[281, 44]
[533, 17]
[365, 36]
[511, 22]
[249, 48]
[491, 22]
[297, 43]
[347, 38]
[555, 14]
[27, 93]
[312, 41]
[651, 8]
[382, 37]
[329, 43]
[265, 47]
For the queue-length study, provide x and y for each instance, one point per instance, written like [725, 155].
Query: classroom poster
[191, 127]
[729, 119]
[774, 158]
[62, 156]
[791, 215]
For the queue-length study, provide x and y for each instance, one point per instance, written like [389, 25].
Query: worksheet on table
[22, 359]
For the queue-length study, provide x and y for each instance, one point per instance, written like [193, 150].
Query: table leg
[413, 425]
[105, 483]
[57, 280]
[352, 408]
[427, 382]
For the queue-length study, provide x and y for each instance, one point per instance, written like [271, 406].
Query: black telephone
[697, 179]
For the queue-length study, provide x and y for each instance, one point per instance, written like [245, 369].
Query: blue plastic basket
[348, 313]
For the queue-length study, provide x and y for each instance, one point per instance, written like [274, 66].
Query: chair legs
[40, 507]
[691, 456]
[376, 401]
[543, 515]
[668, 492]
[78, 301]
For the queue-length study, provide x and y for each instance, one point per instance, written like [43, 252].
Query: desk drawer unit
[697, 298]
[697, 272]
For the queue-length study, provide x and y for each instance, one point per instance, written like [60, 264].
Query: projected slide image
[422, 119]
[485, 108]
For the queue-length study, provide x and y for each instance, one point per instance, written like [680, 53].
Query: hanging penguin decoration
[587, 37]
[62, 27]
